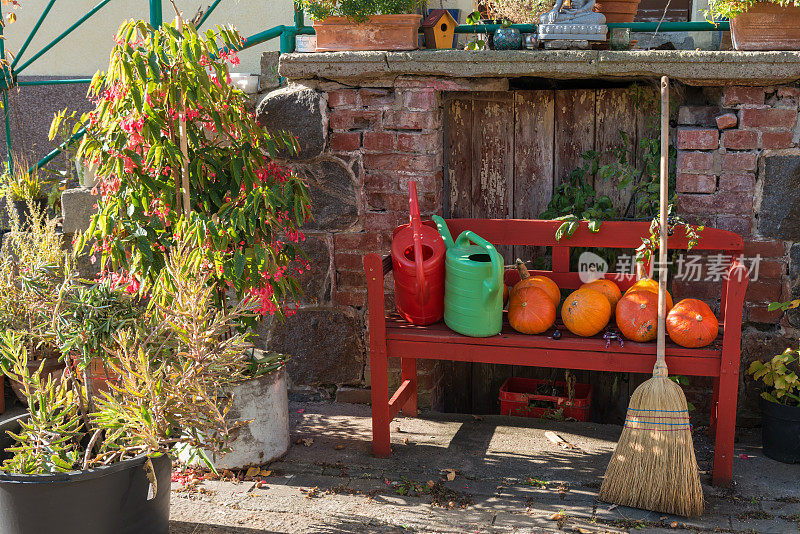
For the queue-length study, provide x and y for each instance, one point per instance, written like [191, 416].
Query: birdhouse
[440, 29]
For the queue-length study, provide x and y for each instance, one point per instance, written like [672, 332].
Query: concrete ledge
[689, 66]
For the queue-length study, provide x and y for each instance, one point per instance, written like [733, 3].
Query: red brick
[728, 120]
[740, 139]
[771, 269]
[424, 99]
[696, 183]
[735, 223]
[767, 118]
[777, 139]
[402, 162]
[357, 299]
[788, 92]
[734, 202]
[737, 182]
[705, 139]
[695, 161]
[419, 142]
[765, 249]
[399, 201]
[357, 243]
[759, 313]
[345, 141]
[695, 204]
[353, 119]
[379, 140]
[350, 280]
[384, 222]
[349, 262]
[738, 94]
[342, 98]
[383, 181]
[763, 291]
[739, 161]
[376, 97]
[409, 120]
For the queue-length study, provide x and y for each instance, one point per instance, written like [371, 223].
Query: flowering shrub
[721, 9]
[244, 210]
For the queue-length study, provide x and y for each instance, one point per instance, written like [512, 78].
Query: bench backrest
[612, 234]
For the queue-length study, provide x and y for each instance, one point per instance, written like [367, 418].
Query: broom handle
[660, 368]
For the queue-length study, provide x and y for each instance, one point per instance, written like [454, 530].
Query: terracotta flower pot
[767, 26]
[52, 366]
[380, 32]
[618, 10]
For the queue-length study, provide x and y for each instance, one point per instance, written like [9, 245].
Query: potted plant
[360, 25]
[780, 405]
[25, 195]
[760, 25]
[113, 449]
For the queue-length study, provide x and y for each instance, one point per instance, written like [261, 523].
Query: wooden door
[505, 153]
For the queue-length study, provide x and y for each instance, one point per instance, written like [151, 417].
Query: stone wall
[739, 169]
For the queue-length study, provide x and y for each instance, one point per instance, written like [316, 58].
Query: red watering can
[418, 261]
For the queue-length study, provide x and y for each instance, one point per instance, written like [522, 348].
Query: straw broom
[653, 466]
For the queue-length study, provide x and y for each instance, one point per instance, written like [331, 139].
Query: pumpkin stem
[522, 270]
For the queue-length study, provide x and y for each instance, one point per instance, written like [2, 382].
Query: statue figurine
[579, 12]
[578, 23]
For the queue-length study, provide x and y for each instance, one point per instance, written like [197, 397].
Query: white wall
[86, 49]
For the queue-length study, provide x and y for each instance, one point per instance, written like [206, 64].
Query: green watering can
[473, 288]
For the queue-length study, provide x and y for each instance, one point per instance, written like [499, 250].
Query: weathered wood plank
[574, 130]
[533, 159]
[616, 115]
[492, 196]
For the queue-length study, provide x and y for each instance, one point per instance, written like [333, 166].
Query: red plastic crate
[518, 397]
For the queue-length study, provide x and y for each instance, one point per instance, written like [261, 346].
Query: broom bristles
[653, 466]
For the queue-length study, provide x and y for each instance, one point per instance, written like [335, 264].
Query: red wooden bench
[391, 336]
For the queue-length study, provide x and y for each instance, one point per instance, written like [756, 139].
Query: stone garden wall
[738, 169]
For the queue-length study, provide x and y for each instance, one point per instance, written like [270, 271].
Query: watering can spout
[443, 231]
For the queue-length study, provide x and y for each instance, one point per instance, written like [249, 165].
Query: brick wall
[725, 141]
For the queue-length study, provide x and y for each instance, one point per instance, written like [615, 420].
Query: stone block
[334, 202]
[269, 78]
[325, 347]
[297, 110]
[780, 198]
[353, 395]
[316, 281]
[77, 207]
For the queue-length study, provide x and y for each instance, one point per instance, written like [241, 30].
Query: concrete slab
[694, 67]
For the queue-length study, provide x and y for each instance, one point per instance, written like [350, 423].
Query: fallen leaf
[674, 524]
[450, 473]
[583, 530]
[745, 457]
[265, 473]
[338, 447]
[558, 516]
[252, 471]
[431, 483]
[308, 441]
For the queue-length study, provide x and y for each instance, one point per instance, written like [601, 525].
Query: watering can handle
[493, 284]
[441, 225]
[416, 229]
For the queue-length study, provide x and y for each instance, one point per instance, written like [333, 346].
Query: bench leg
[408, 370]
[725, 429]
[379, 377]
[712, 424]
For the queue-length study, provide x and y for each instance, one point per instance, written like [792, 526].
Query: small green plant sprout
[475, 44]
[784, 306]
[780, 375]
[357, 10]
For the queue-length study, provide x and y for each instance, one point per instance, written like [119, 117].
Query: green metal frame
[285, 34]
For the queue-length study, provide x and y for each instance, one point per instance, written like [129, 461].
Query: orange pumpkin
[586, 312]
[607, 288]
[542, 282]
[648, 284]
[637, 315]
[692, 324]
[530, 311]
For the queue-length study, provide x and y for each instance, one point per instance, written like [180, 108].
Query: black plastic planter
[107, 500]
[780, 431]
[23, 211]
